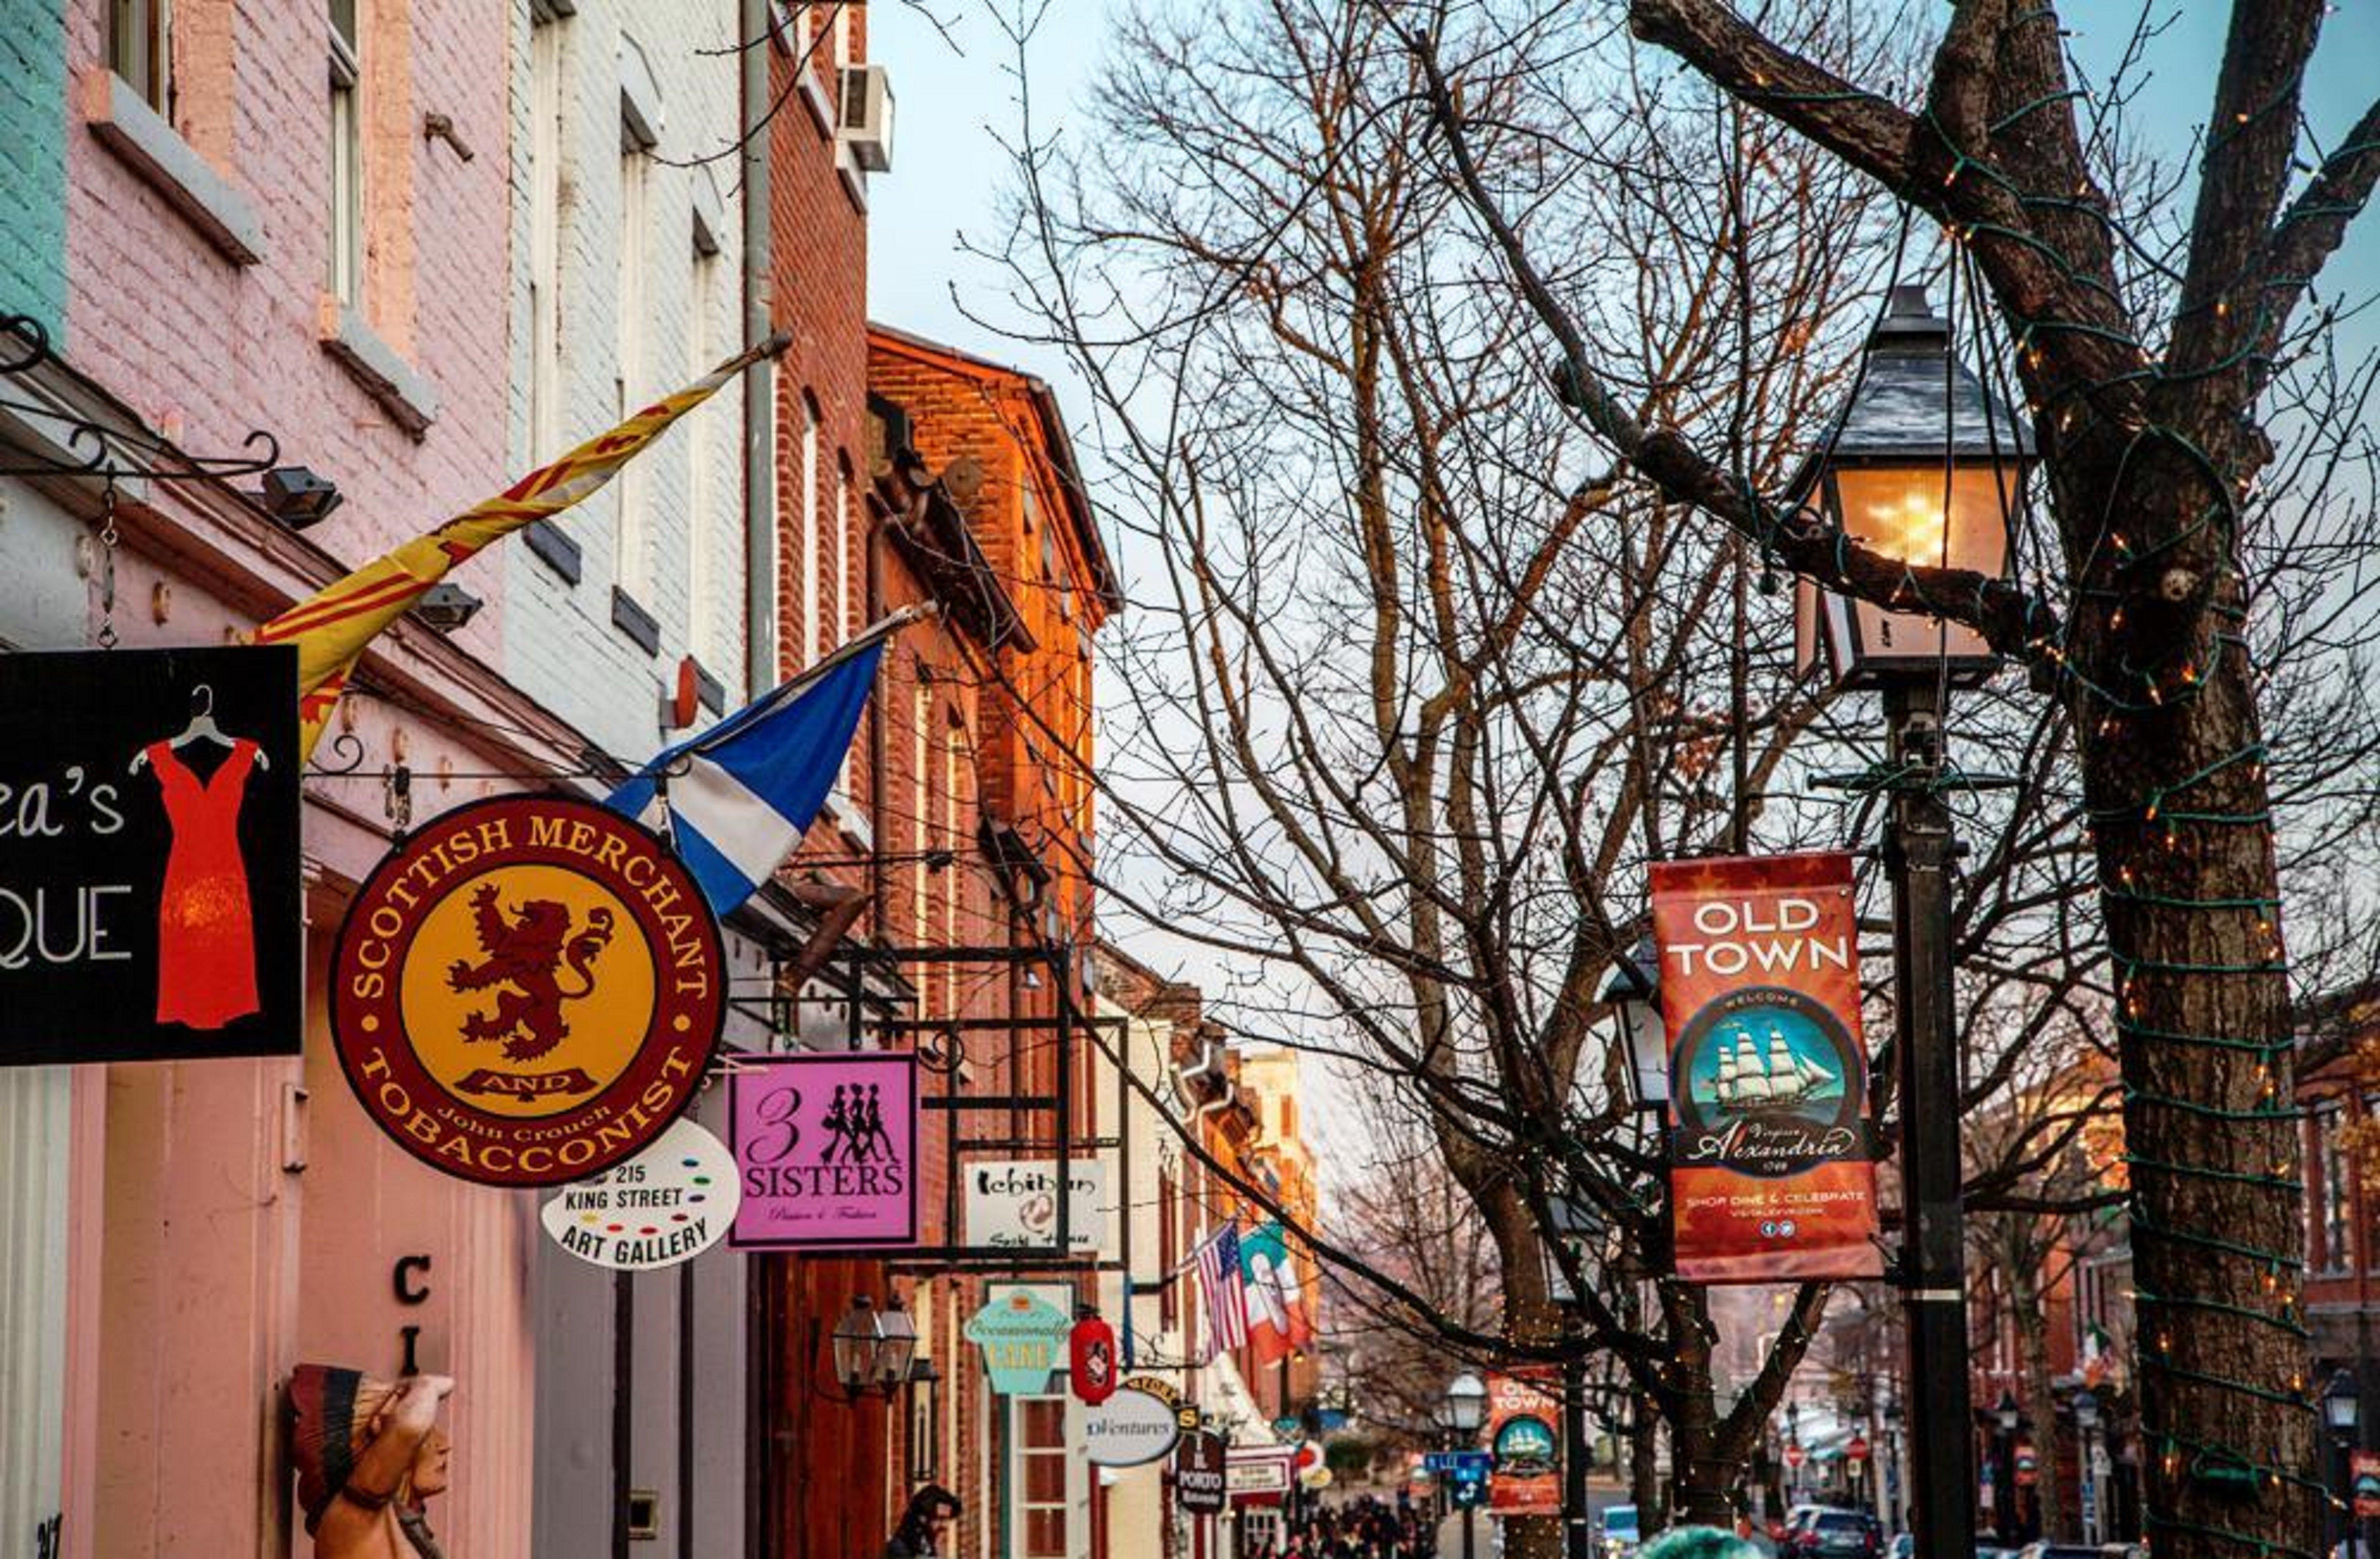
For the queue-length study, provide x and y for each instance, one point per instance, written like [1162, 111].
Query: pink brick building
[228, 1220]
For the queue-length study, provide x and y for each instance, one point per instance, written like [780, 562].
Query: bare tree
[2151, 380]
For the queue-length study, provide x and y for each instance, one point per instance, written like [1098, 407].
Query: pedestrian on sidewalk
[919, 1535]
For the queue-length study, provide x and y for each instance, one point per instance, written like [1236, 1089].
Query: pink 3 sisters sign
[825, 1150]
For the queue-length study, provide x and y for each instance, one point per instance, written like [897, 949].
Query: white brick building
[626, 273]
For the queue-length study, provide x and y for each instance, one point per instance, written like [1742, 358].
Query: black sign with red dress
[148, 885]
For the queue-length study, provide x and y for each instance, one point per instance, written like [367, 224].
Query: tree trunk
[1645, 1466]
[2040, 1400]
[2183, 833]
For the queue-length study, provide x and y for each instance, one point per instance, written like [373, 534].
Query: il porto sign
[825, 1148]
[668, 1205]
[526, 991]
[1199, 1472]
[148, 897]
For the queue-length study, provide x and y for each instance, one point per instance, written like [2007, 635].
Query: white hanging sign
[1012, 1203]
[1129, 1428]
[668, 1205]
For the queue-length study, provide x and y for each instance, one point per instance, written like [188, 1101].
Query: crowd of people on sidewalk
[1366, 1527]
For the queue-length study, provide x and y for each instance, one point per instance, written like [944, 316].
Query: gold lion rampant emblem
[528, 953]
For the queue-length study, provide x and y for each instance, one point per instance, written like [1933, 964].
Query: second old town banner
[1771, 1175]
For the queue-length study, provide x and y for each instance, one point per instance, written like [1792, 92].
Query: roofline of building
[1053, 429]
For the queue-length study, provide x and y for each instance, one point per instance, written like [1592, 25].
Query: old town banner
[149, 893]
[1770, 1174]
[1521, 1413]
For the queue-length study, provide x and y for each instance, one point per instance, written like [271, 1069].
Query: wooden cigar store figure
[367, 1454]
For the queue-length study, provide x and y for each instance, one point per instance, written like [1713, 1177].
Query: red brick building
[832, 1490]
[981, 731]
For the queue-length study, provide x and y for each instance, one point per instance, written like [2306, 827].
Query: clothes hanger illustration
[202, 727]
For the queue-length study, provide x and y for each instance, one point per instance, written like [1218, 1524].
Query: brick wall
[32, 162]
[210, 349]
[818, 233]
[562, 642]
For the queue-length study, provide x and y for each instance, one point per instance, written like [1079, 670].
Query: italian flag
[1276, 1324]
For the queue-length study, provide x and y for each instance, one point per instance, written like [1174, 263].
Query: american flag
[1225, 1294]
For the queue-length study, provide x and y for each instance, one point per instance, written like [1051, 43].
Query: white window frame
[1075, 1499]
[809, 531]
[140, 50]
[346, 271]
[702, 482]
[840, 628]
[545, 143]
[633, 543]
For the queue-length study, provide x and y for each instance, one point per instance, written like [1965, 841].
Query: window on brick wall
[921, 719]
[1168, 1250]
[843, 484]
[2371, 1185]
[2334, 1206]
[633, 526]
[545, 55]
[807, 635]
[347, 212]
[141, 49]
[1042, 1480]
[704, 452]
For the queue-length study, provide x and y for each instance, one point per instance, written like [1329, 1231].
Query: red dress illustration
[206, 938]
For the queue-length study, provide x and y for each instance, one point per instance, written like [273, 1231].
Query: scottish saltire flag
[1276, 1326]
[736, 799]
[1222, 1291]
[332, 627]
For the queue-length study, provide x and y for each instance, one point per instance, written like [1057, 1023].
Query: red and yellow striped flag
[332, 628]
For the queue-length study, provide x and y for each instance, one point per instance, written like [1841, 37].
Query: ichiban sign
[149, 900]
[526, 991]
[823, 1150]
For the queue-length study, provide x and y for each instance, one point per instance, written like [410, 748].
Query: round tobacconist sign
[668, 1205]
[526, 991]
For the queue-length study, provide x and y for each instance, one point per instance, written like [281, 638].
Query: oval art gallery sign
[1129, 1428]
[526, 991]
[668, 1205]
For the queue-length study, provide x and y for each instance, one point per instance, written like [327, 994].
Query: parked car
[1618, 1532]
[2058, 1551]
[1837, 1534]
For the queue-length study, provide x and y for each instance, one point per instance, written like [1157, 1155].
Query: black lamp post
[2342, 1415]
[1633, 990]
[2006, 1417]
[1923, 465]
[1466, 1409]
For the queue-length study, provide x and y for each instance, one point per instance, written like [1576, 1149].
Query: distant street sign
[1468, 1465]
[1467, 1493]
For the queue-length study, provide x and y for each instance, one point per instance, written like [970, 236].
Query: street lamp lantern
[2007, 1413]
[1633, 989]
[2342, 1405]
[2086, 1410]
[872, 1348]
[1466, 1403]
[1924, 464]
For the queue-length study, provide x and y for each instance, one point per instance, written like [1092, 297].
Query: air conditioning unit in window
[867, 125]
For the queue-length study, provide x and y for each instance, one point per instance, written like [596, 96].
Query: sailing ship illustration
[1756, 1081]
